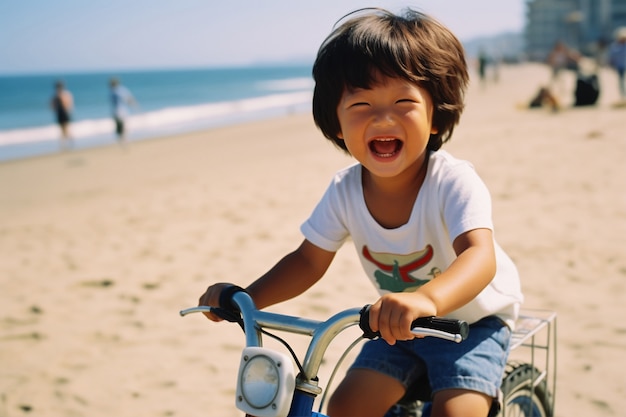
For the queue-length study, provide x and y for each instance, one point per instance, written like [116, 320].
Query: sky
[39, 36]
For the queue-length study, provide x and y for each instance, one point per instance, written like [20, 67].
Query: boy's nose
[384, 117]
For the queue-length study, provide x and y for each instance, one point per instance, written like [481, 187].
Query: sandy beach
[101, 248]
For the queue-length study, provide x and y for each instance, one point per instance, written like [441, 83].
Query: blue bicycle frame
[306, 386]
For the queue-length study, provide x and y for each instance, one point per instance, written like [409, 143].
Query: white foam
[303, 83]
[166, 119]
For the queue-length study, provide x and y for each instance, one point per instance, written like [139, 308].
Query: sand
[101, 248]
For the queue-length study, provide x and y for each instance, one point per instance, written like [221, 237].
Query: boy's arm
[291, 276]
[472, 270]
[467, 276]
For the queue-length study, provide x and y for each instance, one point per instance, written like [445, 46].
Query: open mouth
[385, 147]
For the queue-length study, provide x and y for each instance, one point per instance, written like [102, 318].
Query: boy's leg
[459, 402]
[465, 377]
[365, 393]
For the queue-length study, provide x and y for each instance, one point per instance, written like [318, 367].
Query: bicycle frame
[321, 332]
[296, 394]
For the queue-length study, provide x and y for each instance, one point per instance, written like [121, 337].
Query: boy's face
[387, 127]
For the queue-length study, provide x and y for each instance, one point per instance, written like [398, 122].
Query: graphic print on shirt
[394, 272]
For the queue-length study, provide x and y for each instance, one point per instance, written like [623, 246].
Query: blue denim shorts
[476, 364]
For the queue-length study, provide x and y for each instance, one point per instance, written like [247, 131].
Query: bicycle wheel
[406, 409]
[519, 397]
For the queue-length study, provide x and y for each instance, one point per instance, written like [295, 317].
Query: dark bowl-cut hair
[411, 46]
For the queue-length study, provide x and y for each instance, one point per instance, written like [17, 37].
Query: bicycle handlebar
[443, 328]
[236, 305]
[239, 307]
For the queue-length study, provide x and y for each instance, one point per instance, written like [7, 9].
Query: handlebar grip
[226, 297]
[449, 326]
[227, 309]
[227, 314]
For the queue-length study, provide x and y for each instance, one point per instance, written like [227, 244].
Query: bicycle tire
[520, 399]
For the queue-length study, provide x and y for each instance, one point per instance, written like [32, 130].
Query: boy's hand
[211, 297]
[393, 313]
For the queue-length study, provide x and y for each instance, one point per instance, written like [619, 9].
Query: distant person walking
[483, 62]
[617, 59]
[62, 103]
[121, 99]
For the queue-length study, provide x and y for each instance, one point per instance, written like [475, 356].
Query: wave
[301, 83]
[172, 119]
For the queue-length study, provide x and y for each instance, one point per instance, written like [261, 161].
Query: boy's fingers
[213, 317]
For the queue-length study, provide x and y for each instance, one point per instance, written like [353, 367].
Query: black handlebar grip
[228, 310]
[451, 326]
[226, 297]
[228, 315]
[364, 323]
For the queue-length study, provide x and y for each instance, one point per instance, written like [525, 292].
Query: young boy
[389, 90]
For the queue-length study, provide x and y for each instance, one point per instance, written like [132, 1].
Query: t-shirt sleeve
[466, 201]
[325, 227]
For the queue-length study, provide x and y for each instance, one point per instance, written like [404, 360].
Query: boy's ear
[339, 135]
[434, 130]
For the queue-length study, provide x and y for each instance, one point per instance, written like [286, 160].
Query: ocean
[169, 102]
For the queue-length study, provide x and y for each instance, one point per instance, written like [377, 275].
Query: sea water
[169, 102]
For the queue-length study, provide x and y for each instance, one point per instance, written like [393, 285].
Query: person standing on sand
[121, 98]
[389, 91]
[62, 103]
[617, 59]
[483, 62]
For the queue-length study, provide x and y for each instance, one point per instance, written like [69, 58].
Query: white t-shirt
[452, 200]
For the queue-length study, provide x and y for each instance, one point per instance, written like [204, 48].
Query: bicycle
[269, 386]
